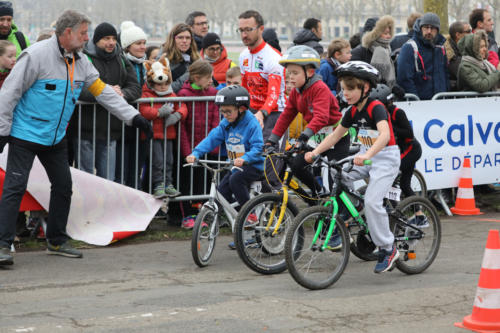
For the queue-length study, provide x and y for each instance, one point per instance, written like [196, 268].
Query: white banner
[101, 211]
[452, 129]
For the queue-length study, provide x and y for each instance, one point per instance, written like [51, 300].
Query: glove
[165, 110]
[398, 92]
[143, 124]
[172, 119]
[302, 142]
[3, 141]
[270, 148]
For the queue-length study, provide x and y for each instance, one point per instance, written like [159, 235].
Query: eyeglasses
[226, 112]
[467, 31]
[202, 23]
[246, 30]
[214, 49]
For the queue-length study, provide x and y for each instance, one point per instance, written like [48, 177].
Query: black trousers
[19, 163]
[238, 183]
[408, 159]
[306, 176]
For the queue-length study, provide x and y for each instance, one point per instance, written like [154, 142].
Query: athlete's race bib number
[317, 138]
[393, 194]
[367, 137]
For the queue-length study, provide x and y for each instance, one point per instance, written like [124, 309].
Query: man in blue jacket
[422, 64]
[38, 98]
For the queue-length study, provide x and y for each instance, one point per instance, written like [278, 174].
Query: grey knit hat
[430, 19]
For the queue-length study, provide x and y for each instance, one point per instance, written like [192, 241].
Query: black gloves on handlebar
[301, 144]
[270, 147]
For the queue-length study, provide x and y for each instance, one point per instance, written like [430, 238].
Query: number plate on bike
[393, 194]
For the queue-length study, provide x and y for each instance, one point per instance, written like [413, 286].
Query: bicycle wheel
[418, 184]
[259, 249]
[310, 265]
[417, 234]
[205, 232]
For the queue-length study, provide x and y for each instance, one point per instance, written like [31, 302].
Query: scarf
[485, 65]
[210, 60]
[101, 53]
[135, 59]
[382, 61]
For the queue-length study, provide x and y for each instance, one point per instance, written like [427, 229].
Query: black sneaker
[386, 260]
[64, 249]
[5, 256]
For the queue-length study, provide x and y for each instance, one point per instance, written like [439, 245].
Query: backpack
[21, 39]
[417, 56]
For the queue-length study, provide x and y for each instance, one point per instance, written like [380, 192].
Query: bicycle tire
[204, 228]
[419, 178]
[417, 254]
[257, 248]
[300, 255]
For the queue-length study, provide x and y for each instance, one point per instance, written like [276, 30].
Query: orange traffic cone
[465, 204]
[485, 315]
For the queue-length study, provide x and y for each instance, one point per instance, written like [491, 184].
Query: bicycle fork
[283, 207]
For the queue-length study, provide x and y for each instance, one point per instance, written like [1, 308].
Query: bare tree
[459, 9]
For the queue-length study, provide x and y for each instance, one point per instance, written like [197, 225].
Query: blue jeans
[103, 160]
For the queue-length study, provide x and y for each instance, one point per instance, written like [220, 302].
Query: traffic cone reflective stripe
[485, 315]
[465, 203]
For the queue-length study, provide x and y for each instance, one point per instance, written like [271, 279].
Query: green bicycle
[318, 241]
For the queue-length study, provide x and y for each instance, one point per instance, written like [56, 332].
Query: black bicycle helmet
[359, 69]
[233, 95]
[381, 92]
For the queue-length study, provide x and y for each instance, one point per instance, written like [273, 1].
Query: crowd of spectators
[421, 62]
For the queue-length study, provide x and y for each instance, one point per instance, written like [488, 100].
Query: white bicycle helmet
[361, 70]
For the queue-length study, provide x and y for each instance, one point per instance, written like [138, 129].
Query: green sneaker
[159, 191]
[171, 191]
[63, 250]
[5, 256]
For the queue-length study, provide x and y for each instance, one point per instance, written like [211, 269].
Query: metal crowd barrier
[141, 160]
[142, 177]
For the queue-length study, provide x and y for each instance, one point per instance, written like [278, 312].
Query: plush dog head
[158, 71]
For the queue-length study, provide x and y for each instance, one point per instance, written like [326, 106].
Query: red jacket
[150, 112]
[200, 115]
[316, 103]
[220, 66]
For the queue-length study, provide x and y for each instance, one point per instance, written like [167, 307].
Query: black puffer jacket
[308, 38]
[115, 70]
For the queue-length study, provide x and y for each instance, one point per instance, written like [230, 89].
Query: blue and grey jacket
[243, 140]
[38, 97]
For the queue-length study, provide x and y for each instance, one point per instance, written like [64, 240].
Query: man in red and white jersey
[262, 75]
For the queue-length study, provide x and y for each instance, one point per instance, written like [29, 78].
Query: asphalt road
[156, 287]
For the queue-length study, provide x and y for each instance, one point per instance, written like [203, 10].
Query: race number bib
[235, 151]
[317, 138]
[367, 137]
[393, 194]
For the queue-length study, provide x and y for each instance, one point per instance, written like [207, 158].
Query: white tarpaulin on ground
[101, 210]
[452, 129]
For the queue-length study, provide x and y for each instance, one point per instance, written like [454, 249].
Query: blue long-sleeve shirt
[243, 140]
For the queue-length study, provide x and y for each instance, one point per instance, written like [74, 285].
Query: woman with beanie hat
[133, 41]
[215, 53]
[134, 46]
